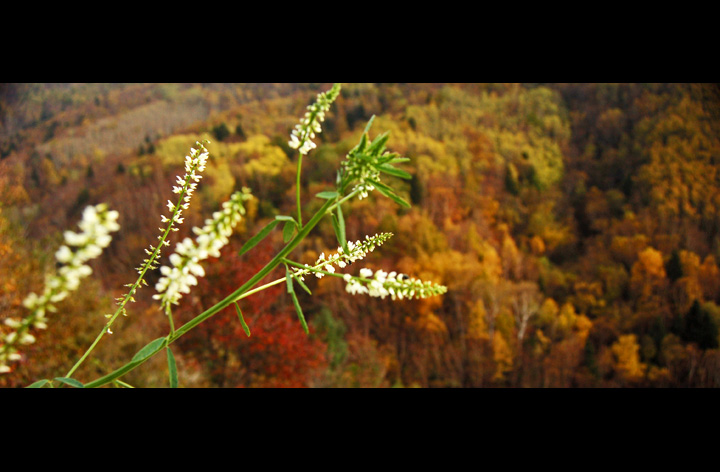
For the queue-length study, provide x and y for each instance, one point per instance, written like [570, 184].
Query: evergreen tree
[700, 328]
[674, 267]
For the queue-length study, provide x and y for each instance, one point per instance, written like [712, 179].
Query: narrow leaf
[148, 350]
[69, 381]
[302, 284]
[387, 191]
[257, 238]
[362, 144]
[390, 170]
[301, 317]
[378, 143]
[336, 227]
[398, 200]
[388, 158]
[288, 280]
[369, 123]
[38, 384]
[341, 226]
[327, 195]
[288, 230]
[172, 368]
[242, 320]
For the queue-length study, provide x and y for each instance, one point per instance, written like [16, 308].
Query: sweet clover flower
[357, 250]
[397, 286]
[304, 132]
[185, 261]
[195, 164]
[96, 225]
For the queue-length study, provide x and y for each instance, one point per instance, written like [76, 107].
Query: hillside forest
[576, 227]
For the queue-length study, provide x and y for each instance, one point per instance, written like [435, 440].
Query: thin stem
[313, 269]
[270, 266]
[88, 351]
[170, 319]
[260, 289]
[297, 191]
[343, 200]
[134, 287]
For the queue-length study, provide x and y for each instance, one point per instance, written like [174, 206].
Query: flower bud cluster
[361, 165]
[397, 286]
[357, 250]
[96, 225]
[304, 132]
[185, 261]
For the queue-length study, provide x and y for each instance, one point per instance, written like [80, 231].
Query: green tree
[673, 268]
[221, 131]
[700, 328]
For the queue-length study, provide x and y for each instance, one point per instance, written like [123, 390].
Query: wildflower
[397, 286]
[179, 278]
[303, 133]
[357, 250]
[364, 164]
[96, 225]
[195, 163]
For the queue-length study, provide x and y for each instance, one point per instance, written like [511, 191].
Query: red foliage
[277, 354]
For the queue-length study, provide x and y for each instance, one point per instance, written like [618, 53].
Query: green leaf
[362, 144]
[339, 226]
[242, 320]
[390, 170]
[172, 368]
[387, 191]
[301, 317]
[71, 382]
[149, 349]
[335, 226]
[327, 195]
[369, 123]
[291, 291]
[38, 384]
[302, 284]
[289, 230]
[258, 237]
[378, 143]
[284, 218]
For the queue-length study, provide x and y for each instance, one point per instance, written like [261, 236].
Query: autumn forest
[576, 227]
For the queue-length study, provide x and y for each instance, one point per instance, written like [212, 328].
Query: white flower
[178, 279]
[356, 251]
[384, 284]
[63, 254]
[96, 225]
[303, 133]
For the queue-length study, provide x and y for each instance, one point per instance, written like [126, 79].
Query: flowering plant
[358, 176]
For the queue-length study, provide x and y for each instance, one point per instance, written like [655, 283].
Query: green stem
[236, 295]
[170, 319]
[313, 269]
[135, 286]
[297, 191]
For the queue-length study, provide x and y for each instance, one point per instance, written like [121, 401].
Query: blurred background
[576, 226]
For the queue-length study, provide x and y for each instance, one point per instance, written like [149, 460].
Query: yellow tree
[647, 276]
[626, 352]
